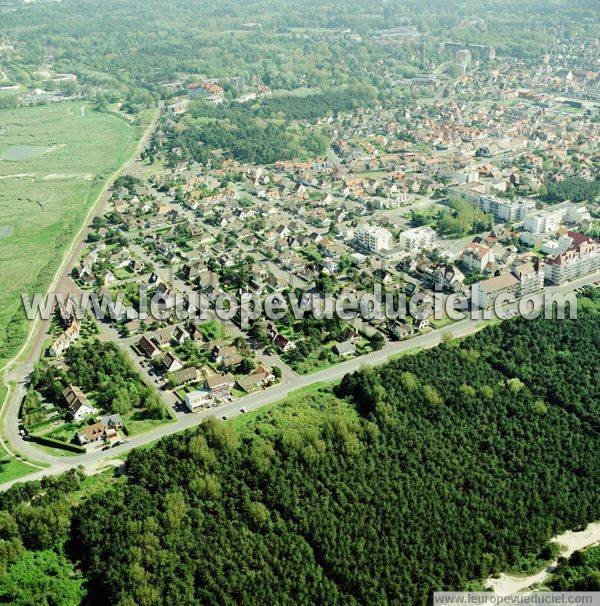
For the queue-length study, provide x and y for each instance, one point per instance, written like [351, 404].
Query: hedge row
[44, 441]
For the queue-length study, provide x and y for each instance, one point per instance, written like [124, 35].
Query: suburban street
[299, 304]
[17, 371]
[96, 461]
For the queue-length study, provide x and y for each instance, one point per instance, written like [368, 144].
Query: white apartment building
[543, 222]
[531, 278]
[581, 258]
[548, 221]
[557, 246]
[505, 209]
[576, 213]
[487, 291]
[418, 238]
[477, 257]
[374, 238]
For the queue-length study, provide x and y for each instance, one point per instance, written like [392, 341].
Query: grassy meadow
[54, 161]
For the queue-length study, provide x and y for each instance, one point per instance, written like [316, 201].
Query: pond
[18, 153]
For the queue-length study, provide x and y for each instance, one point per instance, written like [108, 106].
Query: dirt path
[572, 541]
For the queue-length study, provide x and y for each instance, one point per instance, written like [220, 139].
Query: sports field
[54, 161]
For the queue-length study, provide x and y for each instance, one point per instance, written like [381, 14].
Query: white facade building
[374, 238]
[581, 258]
[199, 399]
[543, 222]
[418, 238]
[548, 221]
[558, 246]
[523, 280]
[504, 209]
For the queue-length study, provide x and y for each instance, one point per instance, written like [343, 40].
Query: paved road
[169, 277]
[93, 461]
[39, 329]
[61, 283]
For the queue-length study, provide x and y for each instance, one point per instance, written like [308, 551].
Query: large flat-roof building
[418, 238]
[505, 209]
[543, 222]
[523, 280]
[374, 238]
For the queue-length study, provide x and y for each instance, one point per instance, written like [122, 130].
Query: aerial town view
[299, 302]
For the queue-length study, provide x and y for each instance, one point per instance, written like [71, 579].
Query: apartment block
[504, 209]
[418, 238]
[374, 238]
[581, 258]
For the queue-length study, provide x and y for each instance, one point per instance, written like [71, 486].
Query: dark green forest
[574, 189]
[463, 460]
[581, 572]
[262, 132]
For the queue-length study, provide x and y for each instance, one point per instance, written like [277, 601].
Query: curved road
[18, 374]
[93, 461]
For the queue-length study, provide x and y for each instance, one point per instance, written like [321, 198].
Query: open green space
[138, 421]
[304, 409]
[11, 468]
[18, 153]
[212, 330]
[54, 161]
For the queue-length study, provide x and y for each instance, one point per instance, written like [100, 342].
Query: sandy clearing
[571, 541]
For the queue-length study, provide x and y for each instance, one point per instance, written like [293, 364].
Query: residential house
[345, 348]
[180, 335]
[194, 332]
[220, 386]
[66, 339]
[184, 376]
[163, 337]
[448, 278]
[92, 433]
[283, 344]
[199, 399]
[78, 404]
[400, 330]
[259, 378]
[148, 347]
[171, 362]
[113, 421]
[226, 355]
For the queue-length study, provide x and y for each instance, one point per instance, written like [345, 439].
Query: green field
[54, 161]
[305, 409]
[11, 469]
